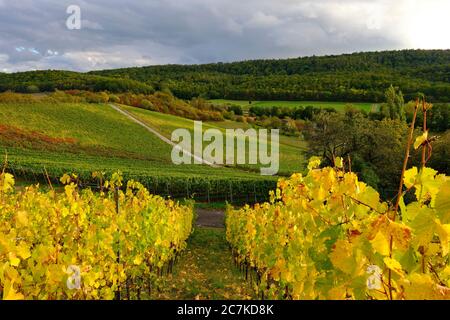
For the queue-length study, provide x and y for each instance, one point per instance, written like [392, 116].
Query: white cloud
[91, 25]
[3, 58]
[428, 24]
[88, 60]
[262, 20]
[232, 26]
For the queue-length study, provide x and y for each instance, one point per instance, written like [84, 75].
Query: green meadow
[339, 106]
[292, 149]
[90, 137]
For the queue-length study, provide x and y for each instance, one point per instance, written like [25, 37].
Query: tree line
[372, 141]
[357, 77]
[51, 80]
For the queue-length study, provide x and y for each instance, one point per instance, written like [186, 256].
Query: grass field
[292, 149]
[93, 129]
[58, 131]
[83, 138]
[339, 106]
[206, 271]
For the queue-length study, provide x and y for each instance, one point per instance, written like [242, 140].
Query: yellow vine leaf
[9, 293]
[22, 218]
[420, 140]
[7, 182]
[410, 177]
[442, 203]
[393, 265]
[400, 233]
[422, 287]
[381, 244]
[314, 162]
[337, 293]
[410, 212]
[138, 260]
[428, 185]
[443, 231]
[65, 179]
[23, 251]
[423, 227]
[342, 256]
[13, 260]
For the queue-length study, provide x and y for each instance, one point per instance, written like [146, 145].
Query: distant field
[292, 149]
[320, 104]
[91, 137]
[82, 138]
[97, 137]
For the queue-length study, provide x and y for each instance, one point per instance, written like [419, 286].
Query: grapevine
[81, 244]
[328, 235]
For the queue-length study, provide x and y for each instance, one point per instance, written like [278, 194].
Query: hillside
[292, 149]
[82, 138]
[357, 77]
[353, 77]
[50, 80]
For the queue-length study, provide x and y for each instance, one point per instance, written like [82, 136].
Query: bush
[146, 104]
[32, 89]
[237, 110]
[240, 119]
[114, 99]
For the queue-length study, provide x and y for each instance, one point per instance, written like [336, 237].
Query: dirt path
[210, 218]
[206, 269]
[160, 136]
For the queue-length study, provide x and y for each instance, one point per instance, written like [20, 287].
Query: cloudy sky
[118, 33]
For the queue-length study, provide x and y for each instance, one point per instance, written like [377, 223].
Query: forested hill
[405, 60]
[348, 77]
[49, 80]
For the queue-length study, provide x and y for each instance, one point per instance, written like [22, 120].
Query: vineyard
[52, 139]
[224, 159]
[118, 234]
[327, 235]
[84, 245]
[201, 183]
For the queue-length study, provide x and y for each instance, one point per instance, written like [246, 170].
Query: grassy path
[161, 137]
[206, 270]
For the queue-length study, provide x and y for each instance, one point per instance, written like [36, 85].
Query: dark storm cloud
[33, 33]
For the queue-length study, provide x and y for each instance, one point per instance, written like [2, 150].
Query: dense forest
[349, 78]
[51, 80]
